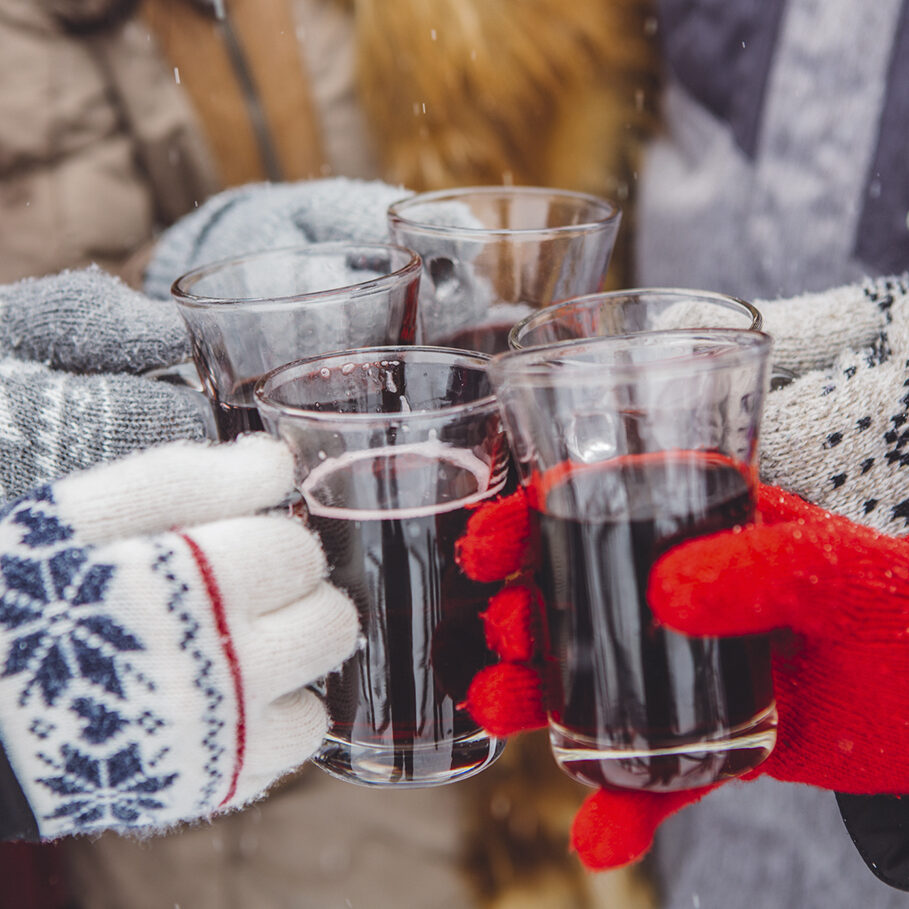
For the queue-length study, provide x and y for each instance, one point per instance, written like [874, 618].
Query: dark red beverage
[234, 419]
[486, 338]
[238, 414]
[633, 704]
[394, 705]
[489, 336]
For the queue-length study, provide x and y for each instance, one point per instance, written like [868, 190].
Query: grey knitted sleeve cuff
[839, 436]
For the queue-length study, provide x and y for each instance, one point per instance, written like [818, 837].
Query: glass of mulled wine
[626, 447]
[249, 314]
[493, 254]
[624, 312]
[395, 447]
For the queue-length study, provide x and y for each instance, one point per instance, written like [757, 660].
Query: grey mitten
[88, 321]
[262, 216]
[839, 435]
[71, 348]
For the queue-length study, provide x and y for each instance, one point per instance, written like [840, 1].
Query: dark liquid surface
[234, 419]
[490, 339]
[618, 679]
[419, 613]
[239, 414]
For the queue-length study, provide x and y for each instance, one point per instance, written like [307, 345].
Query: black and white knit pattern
[86, 719]
[839, 436]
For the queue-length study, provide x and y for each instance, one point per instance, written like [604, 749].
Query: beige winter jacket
[97, 142]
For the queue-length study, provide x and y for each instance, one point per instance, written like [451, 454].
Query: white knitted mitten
[839, 434]
[152, 675]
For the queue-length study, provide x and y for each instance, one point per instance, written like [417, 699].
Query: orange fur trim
[541, 92]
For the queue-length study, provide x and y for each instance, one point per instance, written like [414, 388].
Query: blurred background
[120, 116]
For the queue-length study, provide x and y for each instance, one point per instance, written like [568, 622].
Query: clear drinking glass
[627, 446]
[249, 314]
[623, 312]
[394, 449]
[493, 254]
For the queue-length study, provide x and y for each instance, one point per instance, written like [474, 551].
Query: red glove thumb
[814, 572]
[841, 668]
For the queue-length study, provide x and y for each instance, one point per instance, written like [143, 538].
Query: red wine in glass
[388, 520]
[489, 336]
[239, 414]
[486, 338]
[633, 704]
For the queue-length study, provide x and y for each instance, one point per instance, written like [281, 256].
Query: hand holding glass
[250, 314]
[627, 446]
[394, 448]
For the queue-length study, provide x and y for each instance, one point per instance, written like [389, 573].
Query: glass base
[416, 766]
[679, 765]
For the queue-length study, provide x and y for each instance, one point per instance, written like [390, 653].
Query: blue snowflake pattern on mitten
[114, 789]
[46, 601]
[71, 653]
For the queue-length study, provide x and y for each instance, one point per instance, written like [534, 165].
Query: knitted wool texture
[838, 436]
[70, 346]
[153, 675]
[837, 587]
[267, 216]
[88, 321]
[264, 216]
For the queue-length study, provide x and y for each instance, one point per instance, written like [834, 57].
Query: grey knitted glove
[71, 346]
[263, 216]
[839, 435]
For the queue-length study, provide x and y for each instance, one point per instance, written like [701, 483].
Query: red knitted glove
[834, 594]
[507, 697]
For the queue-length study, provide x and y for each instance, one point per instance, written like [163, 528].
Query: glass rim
[184, 297]
[266, 401]
[551, 364]
[397, 211]
[547, 313]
